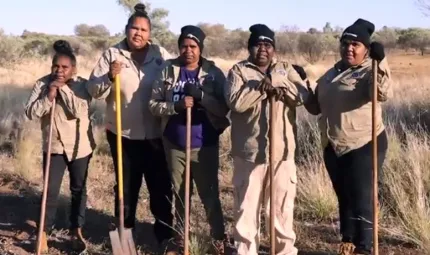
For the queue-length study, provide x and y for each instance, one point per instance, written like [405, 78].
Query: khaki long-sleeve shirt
[212, 82]
[72, 130]
[136, 86]
[250, 111]
[344, 102]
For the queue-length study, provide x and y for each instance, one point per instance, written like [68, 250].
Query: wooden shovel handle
[187, 183]
[375, 158]
[272, 174]
[45, 181]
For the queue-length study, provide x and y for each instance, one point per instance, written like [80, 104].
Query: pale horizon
[45, 17]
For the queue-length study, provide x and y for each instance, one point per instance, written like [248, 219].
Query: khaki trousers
[251, 183]
[204, 173]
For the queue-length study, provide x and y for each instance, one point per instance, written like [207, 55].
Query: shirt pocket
[359, 91]
[348, 81]
[355, 79]
[279, 77]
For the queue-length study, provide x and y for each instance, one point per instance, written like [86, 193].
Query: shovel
[45, 182]
[121, 239]
[375, 158]
[272, 174]
[187, 184]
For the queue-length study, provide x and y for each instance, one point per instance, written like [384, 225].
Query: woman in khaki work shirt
[72, 138]
[343, 98]
[250, 83]
[137, 61]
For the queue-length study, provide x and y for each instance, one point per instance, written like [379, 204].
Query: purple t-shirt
[202, 131]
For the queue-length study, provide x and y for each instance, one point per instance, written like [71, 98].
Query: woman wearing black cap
[193, 81]
[249, 84]
[137, 61]
[343, 98]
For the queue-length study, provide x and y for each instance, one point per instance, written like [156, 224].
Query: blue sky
[60, 17]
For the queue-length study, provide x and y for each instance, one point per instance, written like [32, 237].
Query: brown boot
[78, 242]
[346, 249]
[43, 243]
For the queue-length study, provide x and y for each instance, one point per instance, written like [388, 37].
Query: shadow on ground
[20, 209]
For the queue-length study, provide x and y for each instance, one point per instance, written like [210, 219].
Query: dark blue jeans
[351, 176]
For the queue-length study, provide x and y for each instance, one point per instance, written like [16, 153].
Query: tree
[82, 30]
[338, 32]
[27, 34]
[424, 5]
[315, 47]
[128, 5]
[415, 38]
[235, 41]
[388, 37]
[87, 30]
[327, 28]
[160, 26]
[312, 31]
[160, 32]
[289, 29]
[287, 40]
[99, 30]
[213, 30]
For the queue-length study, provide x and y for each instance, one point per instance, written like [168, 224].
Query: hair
[63, 48]
[139, 12]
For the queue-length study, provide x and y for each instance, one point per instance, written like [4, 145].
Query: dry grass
[406, 173]
[25, 73]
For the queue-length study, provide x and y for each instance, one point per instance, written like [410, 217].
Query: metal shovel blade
[119, 248]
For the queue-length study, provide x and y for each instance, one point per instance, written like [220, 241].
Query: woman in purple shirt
[193, 81]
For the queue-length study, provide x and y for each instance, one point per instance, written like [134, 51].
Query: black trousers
[144, 158]
[351, 176]
[78, 172]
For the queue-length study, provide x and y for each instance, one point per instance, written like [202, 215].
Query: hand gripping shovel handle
[272, 174]
[45, 181]
[375, 158]
[187, 183]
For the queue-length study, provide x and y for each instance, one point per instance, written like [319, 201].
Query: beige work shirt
[250, 111]
[212, 81]
[72, 132]
[136, 86]
[344, 100]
